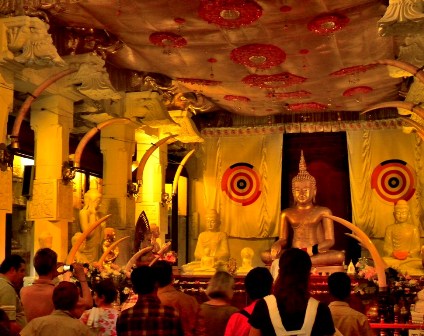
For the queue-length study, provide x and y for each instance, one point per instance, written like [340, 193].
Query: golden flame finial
[303, 172]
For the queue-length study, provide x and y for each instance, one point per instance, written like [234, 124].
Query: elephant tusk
[409, 106]
[408, 67]
[110, 248]
[178, 172]
[134, 258]
[76, 246]
[380, 265]
[86, 138]
[140, 168]
[160, 252]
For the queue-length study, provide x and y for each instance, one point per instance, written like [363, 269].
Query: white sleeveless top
[308, 322]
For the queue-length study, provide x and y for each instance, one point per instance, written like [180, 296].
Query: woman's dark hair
[292, 285]
[107, 289]
[258, 283]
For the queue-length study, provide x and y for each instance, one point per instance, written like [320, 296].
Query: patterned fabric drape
[366, 150]
[264, 153]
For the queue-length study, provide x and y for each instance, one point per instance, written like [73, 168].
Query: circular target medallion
[241, 183]
[393, 180]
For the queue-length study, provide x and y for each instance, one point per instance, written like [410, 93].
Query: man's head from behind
[163, 273]
[65, 296]
[258, 283]
[143, 279]
[45, 262]
[339, 285]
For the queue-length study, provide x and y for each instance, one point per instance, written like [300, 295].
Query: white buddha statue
[87, 216]
[246, 254]
[212, 251]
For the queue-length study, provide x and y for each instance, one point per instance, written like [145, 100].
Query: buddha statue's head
[212, 220]
[303, 185]
[109, 234]
[154, 228]
[401, 211]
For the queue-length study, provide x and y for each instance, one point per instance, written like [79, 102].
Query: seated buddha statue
[312, 232]
[246, 255]
[402, 238]
[109, 239]
[211, 248]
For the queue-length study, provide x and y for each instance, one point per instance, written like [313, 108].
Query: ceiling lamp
[328, 24]
[259, 56]
[283, 79]
[230, 13]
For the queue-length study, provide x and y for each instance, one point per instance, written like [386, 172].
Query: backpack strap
[244, 312]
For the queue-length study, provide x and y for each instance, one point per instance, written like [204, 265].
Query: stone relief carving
[6, 191]
[43, 202]
[30, 42]
[92, 79]
[402, 17]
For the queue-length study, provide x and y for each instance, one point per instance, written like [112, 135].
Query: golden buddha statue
[402, 239]
[108, 240]
[155, 240]
[312, 231]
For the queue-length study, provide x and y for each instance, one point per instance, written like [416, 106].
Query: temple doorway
[327, 160]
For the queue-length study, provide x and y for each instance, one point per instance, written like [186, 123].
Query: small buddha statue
[402, 238]
[109, 239]
[45, 239]
[246, 255]
[156, 241]
[87, 216]
[312, 232]
[146, 241]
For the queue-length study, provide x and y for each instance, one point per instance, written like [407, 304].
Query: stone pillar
[6, 197]
[117, 145]
[153, 189]
[50, 206]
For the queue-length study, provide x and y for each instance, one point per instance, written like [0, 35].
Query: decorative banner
[241, 183]
[393, 180]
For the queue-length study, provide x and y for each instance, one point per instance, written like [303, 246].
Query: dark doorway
[327, 160]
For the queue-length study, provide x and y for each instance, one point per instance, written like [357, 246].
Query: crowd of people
[276, 307]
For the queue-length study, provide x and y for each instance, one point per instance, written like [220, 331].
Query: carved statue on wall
[108, 240]
[87, 216]
[311, 231]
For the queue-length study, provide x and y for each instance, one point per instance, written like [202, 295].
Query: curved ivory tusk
[178, 172]
[380, 265]
[76, 246]
[110, 248]
[29, 100]
[86, 138]
[160, 252]
[409, 106]
[408, 67]
[134, 258]
[418, 128]
[140, 168]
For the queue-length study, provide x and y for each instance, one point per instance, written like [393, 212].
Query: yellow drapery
[264, 152]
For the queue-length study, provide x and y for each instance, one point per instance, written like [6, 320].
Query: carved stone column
[117, 145]
[6, 104]
[50, 206]
[151, 194]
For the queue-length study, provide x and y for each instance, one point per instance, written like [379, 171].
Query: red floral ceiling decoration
[167, 39]
[259, 56]
[288, 95]
[327, 24]
[237, 98]
[197, 81]
[230, 13]
[307, 107]
[357, 90]
[353, 70]
[283, 79]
